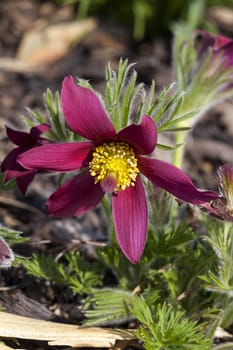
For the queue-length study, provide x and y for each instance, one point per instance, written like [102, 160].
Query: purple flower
[109, 162]
[222, 207]
[220, 45]
[222, 55]
[25, 141]
[6, 254]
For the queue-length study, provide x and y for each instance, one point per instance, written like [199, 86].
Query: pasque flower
[222, 207]
[109, 162]
[24, 141]
[6, 254]
[221, 47]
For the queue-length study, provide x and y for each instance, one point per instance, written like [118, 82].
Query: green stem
[108, 212]
[178, 153]
[186, 106]
[83, 8]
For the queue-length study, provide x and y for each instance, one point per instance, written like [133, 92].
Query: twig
[21, 205]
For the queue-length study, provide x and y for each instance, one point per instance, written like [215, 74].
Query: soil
[209, 145]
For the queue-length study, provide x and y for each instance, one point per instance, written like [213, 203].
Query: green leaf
[168, 148]
[168, 328]
[108, 306]
[12, 236]
[75, 272]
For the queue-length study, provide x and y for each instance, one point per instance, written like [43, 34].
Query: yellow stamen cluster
[114, 164]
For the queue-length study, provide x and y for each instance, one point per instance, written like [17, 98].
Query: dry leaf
[46, 43]
[13, 65]
[220, 333]
[221, 15]
[19, 327]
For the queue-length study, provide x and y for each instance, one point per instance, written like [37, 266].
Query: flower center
[114, 164]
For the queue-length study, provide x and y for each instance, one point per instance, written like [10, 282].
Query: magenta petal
[6, 255]
[75, 197]
[142, 136]
[19, 138]
[24, 139]
[174, 180]
[131, 220]
[227, 51]
[24, 180]
[220, 41]
[12, 174]
[36, 131]
[202, 41]
[57, 157]
[84, 112]
[10, 163]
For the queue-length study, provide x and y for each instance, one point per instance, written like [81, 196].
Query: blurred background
[151, 18]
